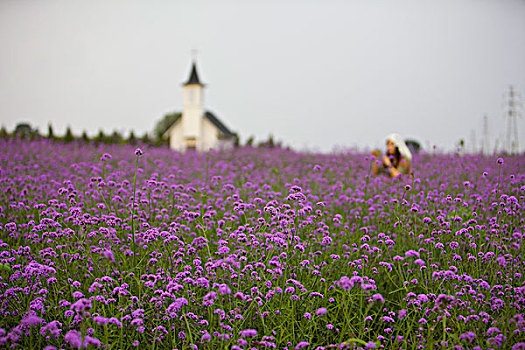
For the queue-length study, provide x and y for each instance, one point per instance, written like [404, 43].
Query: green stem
[133, 211]
[189, 330]
[444, 329]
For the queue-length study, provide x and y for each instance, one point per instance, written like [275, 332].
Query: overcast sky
[315, 74]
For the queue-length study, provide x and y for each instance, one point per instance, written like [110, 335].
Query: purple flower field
[105, 247]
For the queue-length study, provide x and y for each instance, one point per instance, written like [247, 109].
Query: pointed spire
[194, 77]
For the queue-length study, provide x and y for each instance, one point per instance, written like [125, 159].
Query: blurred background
[314, 75]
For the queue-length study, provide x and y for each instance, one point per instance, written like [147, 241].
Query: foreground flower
[248, 333]
[321, 311]
[302, 344]
[74, 338]
[31, 320]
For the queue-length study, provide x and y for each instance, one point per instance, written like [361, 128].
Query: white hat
[401, 145]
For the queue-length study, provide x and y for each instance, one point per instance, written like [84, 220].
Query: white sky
[315, 74]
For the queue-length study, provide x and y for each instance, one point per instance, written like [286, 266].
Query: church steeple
[192, 114]
[198, 129]
[194, 77]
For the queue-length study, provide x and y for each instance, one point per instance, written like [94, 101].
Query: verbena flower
[248, 333]
[74, 338]
[302, 344]
[31, 321]
[378, 297]
[321, 311]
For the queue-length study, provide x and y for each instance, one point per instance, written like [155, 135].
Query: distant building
[198, 129]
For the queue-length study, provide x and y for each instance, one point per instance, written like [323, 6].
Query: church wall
[191, 121]
[177, 137]
[209, 135]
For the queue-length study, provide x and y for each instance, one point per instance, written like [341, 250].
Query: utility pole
[512, 106]
[474, 147]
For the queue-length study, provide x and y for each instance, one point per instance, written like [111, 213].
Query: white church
[198, 129]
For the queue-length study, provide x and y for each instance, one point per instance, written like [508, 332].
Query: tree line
[26, 131]
[158, 137]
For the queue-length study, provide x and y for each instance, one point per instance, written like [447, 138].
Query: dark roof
[213, 119]
[194, 77]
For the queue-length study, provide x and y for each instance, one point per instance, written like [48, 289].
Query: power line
[512, 112]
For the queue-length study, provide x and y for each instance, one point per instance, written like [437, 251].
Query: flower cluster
[251, 248]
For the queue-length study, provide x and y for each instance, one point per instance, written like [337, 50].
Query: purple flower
[402, 313]
[295, 189]
[388, 319]
[101, 320]
[411, 253]
[224, 289]
[31, 321]
[378, 297]
[346, 283]
[422, 298]
[443, 300]
[176, 305]
[77, 295]
[307, 315]
[240, 295]
[108, 254]
[469, 336]
[500, 160]
[302, 344]
[248, 333]
[137, 322]
[91, 341]
[493, 330]
[224, 250]
[138, 313]
[74, 338]
[115, 321]
[53, 328]
[138, 152]
[203, 282]
[209, 298]
[81, 305]
[321, 311]
[419, 262]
